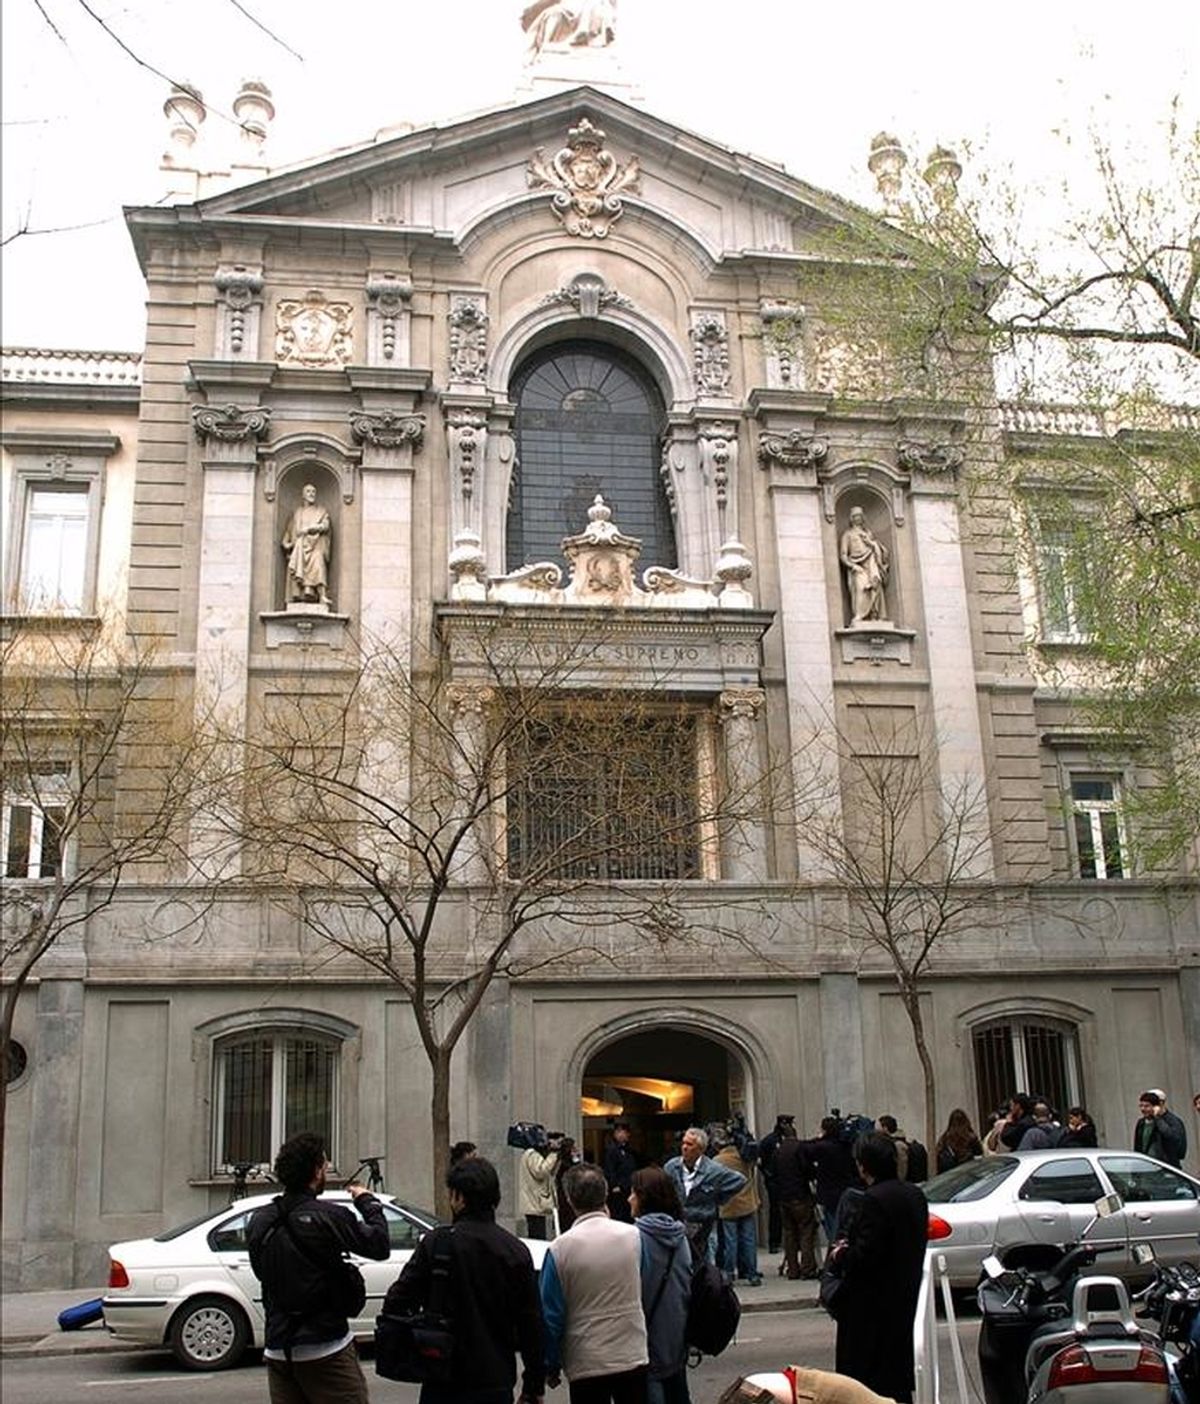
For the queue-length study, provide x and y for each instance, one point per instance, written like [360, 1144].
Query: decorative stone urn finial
[886, 163]
[942, 172]
[255, 111]
[185, 112]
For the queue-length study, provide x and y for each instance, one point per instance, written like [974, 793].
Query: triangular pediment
[442, 182]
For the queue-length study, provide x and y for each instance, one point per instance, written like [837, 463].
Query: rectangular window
[35, 812]
[1064, 582]
[592, 798]
[270, 1087]
[1099, 840]
[55, 549]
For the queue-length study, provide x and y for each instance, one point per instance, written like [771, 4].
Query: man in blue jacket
[703, 1185]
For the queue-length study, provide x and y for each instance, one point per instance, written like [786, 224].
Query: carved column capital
[469, 699]
[923, 456]
[740, 703]
[229, 424]
[795, 449]
[387, 429]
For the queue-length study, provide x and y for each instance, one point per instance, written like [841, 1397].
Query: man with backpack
[912, 1159]
[298, 1244]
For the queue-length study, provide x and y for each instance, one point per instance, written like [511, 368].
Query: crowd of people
[610, 1308]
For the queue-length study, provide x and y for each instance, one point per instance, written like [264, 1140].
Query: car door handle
[1145, 1218]
[1048, 1218]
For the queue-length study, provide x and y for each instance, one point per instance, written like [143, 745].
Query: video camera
[738, 1134]
[532, 1135]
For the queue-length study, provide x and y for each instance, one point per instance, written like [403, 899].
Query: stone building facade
[461, 337]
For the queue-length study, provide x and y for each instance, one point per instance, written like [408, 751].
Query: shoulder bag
[416, 1346]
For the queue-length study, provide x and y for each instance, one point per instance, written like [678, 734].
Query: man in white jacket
[592, 1300]
[535, 1190]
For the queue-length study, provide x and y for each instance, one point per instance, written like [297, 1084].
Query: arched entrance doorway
[661, 1081]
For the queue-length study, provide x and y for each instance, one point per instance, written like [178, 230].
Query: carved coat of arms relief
[312, 331]
[587, 182]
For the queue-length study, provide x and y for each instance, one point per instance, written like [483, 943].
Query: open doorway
[660, 1081]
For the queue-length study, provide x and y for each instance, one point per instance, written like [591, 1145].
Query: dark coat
[327, 1231]
[492, 1300]
[881, 1271]
[1163, 1136]
[833, 1162]
[792, 1171]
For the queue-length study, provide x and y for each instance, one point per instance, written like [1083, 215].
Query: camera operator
[535, 1186]
[739, 1214]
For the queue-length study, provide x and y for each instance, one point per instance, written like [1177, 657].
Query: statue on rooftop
[569, 24]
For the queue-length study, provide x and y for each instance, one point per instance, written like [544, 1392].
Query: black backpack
[713, 1310]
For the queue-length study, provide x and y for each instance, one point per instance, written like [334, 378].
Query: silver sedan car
[992, 1204]
[192, 1288]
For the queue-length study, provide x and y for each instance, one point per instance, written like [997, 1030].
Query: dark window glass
[1046, 1064]
[402, 1232]
[1083, 841]
[247, 1108]
[230, 1237]
[16, 858]
[1141, 1182]
[995, 1070]
[311, 1068]
[1063, 1182]
[589, 421]
[976, 1179]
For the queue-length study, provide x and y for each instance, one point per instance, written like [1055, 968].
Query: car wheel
[209, 1333]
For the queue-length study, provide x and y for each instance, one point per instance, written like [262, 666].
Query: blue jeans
[672, 1390]
[740, 1258]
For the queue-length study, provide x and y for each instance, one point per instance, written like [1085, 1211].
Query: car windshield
[180, 1229]
[975, 1179]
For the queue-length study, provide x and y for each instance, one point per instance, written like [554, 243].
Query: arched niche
[289, 496]
[878, 521]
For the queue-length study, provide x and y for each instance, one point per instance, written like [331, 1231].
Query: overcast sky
[804, 84]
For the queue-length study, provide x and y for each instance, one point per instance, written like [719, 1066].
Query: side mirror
[993, 1267]
[1144, 1255]
[1108, 1205]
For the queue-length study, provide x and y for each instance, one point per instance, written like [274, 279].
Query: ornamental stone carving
[551, 24]
[239, 287]
[919, 456]
[469, 699]
[866, 562]
[586, 180]
[741, 703]
[468, 339]
[389, 297]
[718, 458]
[792, 450]
[312, 331]
[466, 430]
[848, 367]
[387, 429]
[588, 294]
[229, 424]
[783, 324]
[710, 353]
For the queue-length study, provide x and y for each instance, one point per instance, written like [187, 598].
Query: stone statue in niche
[308, 542]
[865, 560]
[571, 25]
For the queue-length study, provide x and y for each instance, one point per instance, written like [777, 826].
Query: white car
[993, 1204]
[192, 1287]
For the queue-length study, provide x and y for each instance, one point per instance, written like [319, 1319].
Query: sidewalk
[29, 1320]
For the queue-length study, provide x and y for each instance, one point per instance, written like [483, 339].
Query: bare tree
[447, 826]
[79, 711]
[911, 854]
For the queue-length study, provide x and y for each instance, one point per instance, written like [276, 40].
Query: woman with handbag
[666, 1283]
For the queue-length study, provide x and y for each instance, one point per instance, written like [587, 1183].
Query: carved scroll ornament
[793, 450]
[587, 182]
[386, 429]
[230, 424]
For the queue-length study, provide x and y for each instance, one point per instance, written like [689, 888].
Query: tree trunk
[912, 1004]
[439, 1125]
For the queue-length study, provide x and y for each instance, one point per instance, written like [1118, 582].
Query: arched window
[1027, 1054]
[589, 420]
[269, 1084]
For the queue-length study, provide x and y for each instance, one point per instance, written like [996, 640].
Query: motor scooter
[1057, 1336]
[1173, 1300]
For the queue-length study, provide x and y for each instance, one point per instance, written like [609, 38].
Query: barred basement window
[1025, 1055]
[1099, 836]
[595, 796]
[268, 1087]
